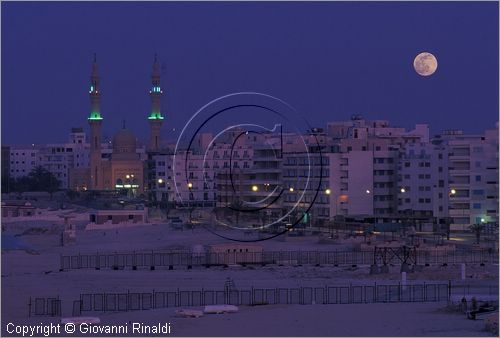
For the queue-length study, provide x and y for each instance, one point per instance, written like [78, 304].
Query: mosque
[123, 169]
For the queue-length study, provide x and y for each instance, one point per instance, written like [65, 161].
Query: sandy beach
[35, 273]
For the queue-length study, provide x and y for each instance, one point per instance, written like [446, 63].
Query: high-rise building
[473, 178]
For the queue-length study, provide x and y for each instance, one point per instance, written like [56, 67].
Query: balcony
[459, 157]
[383, 166]
[459, 212]
[456, 186]
[266, 159]
[459, 171]
[383, 191]
[266, 170]
[459, 199]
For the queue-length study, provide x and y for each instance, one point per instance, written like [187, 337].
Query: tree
[236, 207]
[477, 228]
[39, 179]
[72, 194]
[44, 180]
[7, 183]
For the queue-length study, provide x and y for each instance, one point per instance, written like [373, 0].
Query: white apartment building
[56, 158]
[352, 184]
[189, 178]
[23, 159]
[423, 187]
[375, 148]
[473, 177]
[59, 158]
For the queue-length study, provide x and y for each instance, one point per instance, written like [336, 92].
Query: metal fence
[104, 302]
[44, 307]
[468, 289]
[155, 259]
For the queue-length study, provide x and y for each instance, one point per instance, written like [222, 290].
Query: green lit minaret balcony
[95, 116]
[155, 116]
[93, 90]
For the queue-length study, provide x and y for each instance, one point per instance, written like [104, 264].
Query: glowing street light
[368, 191]
[403, 190]
[328, 191]
[291, 189]
[483, 220]
[254, 188]
[453, 192]
[160, 180]
[190, 185]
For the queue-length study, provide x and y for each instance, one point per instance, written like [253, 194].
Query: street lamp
[291, 189]
[190, 187]
[412, 212]
[453, 192]
[160, 182]
[328, 191]
[255, 188]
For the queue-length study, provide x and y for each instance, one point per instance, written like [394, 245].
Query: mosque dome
[124, 141]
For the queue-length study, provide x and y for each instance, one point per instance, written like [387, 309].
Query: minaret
[95, 121]
[155, 118]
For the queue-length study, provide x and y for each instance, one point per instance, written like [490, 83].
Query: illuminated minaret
[155, 118]
[95, 122]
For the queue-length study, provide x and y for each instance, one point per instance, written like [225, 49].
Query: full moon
[425, 64]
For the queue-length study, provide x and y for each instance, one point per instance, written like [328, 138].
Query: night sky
[328, 60]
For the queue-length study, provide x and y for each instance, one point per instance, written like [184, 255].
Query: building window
[476, 206]
[478, 178]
